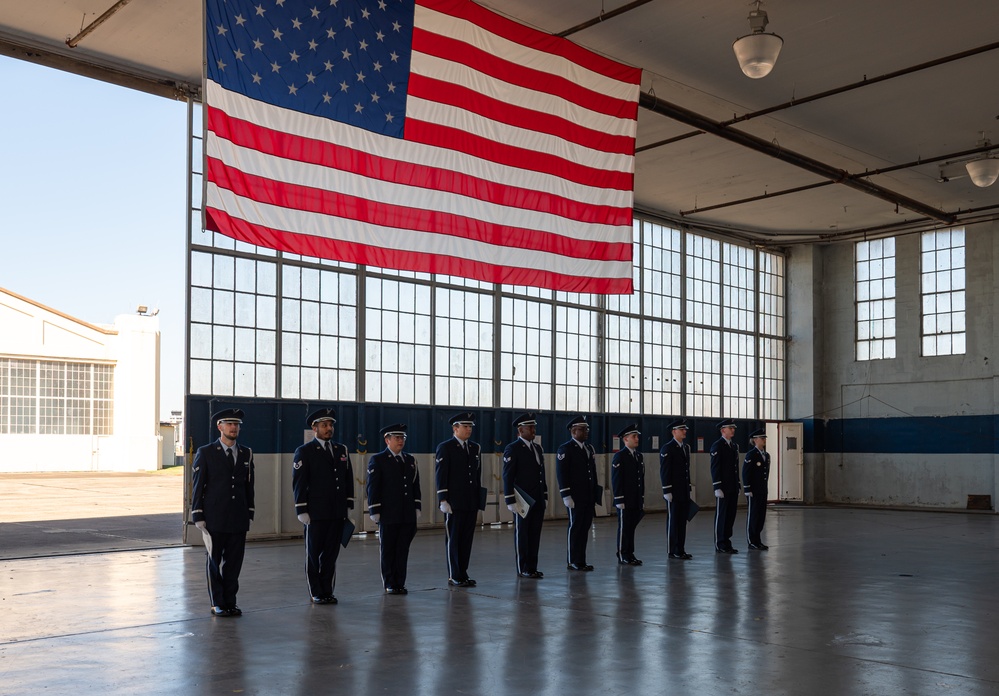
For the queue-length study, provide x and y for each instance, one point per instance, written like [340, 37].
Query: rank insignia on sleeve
[298, 464]
[561, 455]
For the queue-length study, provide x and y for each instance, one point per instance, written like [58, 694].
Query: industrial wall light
[985, 170]
[757, 52]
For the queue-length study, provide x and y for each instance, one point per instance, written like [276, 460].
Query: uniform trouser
[725, 509]
[322, 547]
[676, 525]
[528, 538]
[580, 521]
[223, 566]
[627, 521]
[756, 516]
[395, 540]
[459, 528]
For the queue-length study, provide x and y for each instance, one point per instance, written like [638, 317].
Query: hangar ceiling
[861, 129]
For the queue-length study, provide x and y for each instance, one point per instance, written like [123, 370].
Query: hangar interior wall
[906, 431]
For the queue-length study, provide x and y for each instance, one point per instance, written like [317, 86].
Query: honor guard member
[394, 503]
[576, 472]
[524, 473]
[755, 480]
[222, 508]
[628, 482]
[674, 471]
[323, 483]
[725, 481]
[458, 472]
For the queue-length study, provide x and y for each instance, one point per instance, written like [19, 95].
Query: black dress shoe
[457, 583]
[686, 556]
[318, 600]
[235, 611]
[470, 582]
[759, 547]
[733, 550]
[575, 566]
[402, 590]
[676, 555]
[526, 574]
[587, 567]
[331, 600]
[622, 561]
[219, 611]
[635, 562]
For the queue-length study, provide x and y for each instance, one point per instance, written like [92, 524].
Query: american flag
[434, 136]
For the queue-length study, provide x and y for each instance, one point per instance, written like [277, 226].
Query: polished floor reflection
[844, 602]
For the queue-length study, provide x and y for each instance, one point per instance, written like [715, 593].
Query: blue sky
[92, 206]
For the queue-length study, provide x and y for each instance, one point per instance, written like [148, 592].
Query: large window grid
[527, 328]
[463, 352]
[875, 297]
[943, 292]
[398, 341]
[577, 359]
[702, 335]
[55, 398]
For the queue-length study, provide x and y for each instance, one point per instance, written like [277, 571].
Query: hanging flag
[434, 136]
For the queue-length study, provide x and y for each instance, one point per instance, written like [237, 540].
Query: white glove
[305, 519]
[200, 524]
[375, 517]
[749, 494]
[511, 507]
[446, 507]
[719, 493]
[620, 506]
[568, 502]
[668, 497]
[418, 513]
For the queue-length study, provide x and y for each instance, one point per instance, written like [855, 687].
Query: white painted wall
[29, 330]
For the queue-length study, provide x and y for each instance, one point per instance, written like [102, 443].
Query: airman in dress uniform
[222, 508]
[323, 483]
[674, 471]
[524, 474]
[725, 481]
[394, 503]
[628, 482]
[576, 471]
[458, 472]
[755, 480]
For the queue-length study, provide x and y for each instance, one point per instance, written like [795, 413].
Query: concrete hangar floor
[846, 601]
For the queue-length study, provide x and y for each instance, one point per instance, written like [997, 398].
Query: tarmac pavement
[50, 514]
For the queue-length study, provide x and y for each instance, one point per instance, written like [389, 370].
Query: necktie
[229, 457]
[329, 449]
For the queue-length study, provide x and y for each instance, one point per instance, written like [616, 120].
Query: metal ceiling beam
[88, 66]
[74, 41]
[831, 92]
[603, 17]
[809, 187]
[839, 176]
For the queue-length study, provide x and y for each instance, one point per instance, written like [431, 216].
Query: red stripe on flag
[450, 138]
[462, 97]
[221, 222]
[464, 54]
[318, 152]
[320, 201]
[526, 36]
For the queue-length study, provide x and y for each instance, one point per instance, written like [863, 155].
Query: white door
[790, 460]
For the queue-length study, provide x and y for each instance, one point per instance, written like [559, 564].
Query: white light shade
[983, 172]
[757, 53]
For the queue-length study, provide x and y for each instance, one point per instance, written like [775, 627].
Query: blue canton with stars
[346, 60]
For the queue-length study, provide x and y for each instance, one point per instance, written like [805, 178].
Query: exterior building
[76, 396]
